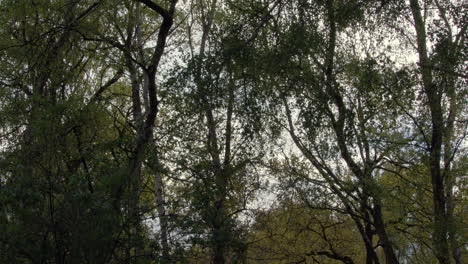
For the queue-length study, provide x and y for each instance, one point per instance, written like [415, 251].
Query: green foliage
[293, 233]
[317, 105]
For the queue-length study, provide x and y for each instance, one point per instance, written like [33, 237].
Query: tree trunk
[160, 207]
[434, 96]
[390, 257]
[145, 127]
[363, 174]
[371, 256]
[134, 179]
[450, 87]
[220, 235]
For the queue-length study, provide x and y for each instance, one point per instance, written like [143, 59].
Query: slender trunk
[159, 193]
[371, 256]
[160, 207]
[448, 175]
[219, 249]
[450, 88]
[363, 174]
[390, 257]
[145, 124]
[144, 135]
[220, 235]
[135, 176]
[434, 96]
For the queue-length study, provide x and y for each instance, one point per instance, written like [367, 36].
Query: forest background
[222, 131]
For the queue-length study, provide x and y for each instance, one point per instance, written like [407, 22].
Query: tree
[335, 112]
[49, 180]
[442, 146]
[217, 97]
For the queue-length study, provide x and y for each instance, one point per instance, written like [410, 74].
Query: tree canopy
[220, 131]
